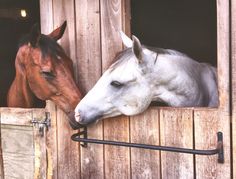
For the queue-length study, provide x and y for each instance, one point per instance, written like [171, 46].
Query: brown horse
[44, 71]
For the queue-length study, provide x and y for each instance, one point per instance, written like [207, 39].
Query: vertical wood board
[144, 129]
[207, 123]
[88, 55]
[117, 159]
[233, 82]
[223, 55]
[68, 165]
[176, 130]
[40, 153]
[51, 142]
[1, 157]
[47, 26]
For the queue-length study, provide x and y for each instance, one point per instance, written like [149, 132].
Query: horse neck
[20, 94]
[168, 85]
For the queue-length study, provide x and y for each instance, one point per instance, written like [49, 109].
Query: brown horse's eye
[47, 74]
[116, 84]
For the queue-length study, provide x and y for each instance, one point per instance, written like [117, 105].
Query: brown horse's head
[45, 71]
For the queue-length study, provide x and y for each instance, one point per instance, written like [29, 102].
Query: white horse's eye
[116, 84]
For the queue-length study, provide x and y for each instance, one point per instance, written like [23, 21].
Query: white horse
[141, 75]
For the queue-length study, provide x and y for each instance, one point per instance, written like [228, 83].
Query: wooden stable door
[23, 145]
[92, 40]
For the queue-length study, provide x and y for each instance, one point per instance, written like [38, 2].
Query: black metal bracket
[82, 137]
[45, 123]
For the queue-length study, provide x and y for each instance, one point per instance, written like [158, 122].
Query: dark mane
[47, 45]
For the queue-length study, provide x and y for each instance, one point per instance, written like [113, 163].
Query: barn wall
[233, 81]
[92, 40]
[1, 157]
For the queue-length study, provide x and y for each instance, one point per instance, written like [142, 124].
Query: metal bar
[218, 150]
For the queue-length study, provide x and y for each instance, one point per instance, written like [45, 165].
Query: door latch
[43, 124]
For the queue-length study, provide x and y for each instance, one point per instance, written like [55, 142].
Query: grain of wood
[233, 82]
[207, 123]
[117, 159]
[223, 47]
[51, 142]
[1, 157]
[40, 154]
[47, 26]
[16, 116]
[17, 143]
[46, 16]
[144, 129]
[88, 49]
[68, 151]
[17, 139]
[18, 166]
[176, 130]
[126, 17]
[64, 10]
[88, 72]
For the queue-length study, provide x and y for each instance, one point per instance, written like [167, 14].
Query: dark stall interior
[16, 19]
[188, 26]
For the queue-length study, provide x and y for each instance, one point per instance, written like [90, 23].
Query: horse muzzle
[86, 120]
[73, 122]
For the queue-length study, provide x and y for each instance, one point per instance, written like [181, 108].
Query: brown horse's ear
[58, 33]
[34, 35]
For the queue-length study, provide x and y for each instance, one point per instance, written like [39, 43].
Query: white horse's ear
[126, 40]
[137, 49]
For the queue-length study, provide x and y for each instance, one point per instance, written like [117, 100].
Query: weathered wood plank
[18, 166]
[126, 16]
[16, 116]
[88, 43]
[51, 142]
[223, 49]
[233, 82]
[65, 10]
[117, 159]
[176, 129]
[144, 129]
[46, 16]
[17, 145]
[207, 123]
[40, 154]
[68, 151]
[88, 57]
[47, 25]
[1, 157]
[17, 139]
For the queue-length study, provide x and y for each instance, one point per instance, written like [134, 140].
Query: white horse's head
[124, 88]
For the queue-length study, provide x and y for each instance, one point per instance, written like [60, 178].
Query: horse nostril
[77, 117]
[58, 94]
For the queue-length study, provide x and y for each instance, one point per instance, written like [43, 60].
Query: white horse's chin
[131, 112]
